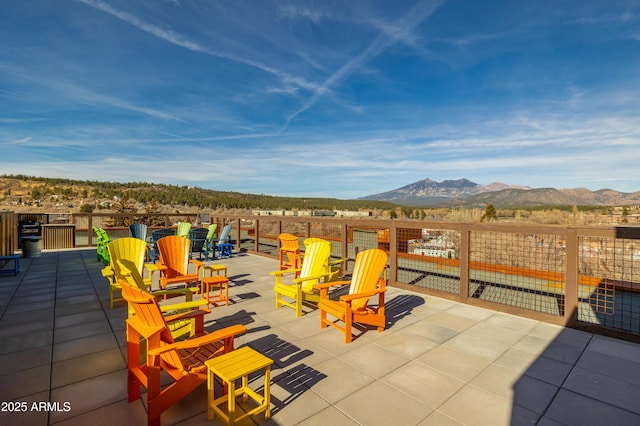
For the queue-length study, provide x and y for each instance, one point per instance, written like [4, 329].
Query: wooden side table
[216, 267]
[230, 367]
[212, 281]
[209, 284]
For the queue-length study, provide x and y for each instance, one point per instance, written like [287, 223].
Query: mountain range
[463, 192]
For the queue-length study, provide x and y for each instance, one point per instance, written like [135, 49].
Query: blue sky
[322, 98]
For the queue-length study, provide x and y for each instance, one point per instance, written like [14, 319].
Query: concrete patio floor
[437, 363]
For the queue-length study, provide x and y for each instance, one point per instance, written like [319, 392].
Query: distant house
[326, 213]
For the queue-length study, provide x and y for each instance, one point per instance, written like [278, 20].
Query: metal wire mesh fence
[609, 282]
[428, 258]
[587, 277]
[516, 269]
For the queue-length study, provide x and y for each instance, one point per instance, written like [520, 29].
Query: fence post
[571, 277]
[465, 256]
[393, 253]
[345, 242]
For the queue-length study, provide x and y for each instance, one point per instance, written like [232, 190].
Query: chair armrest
[285, 271]
[194, 304]
[197, 342]
[366, 294]
[331, 284]
[187, 292]
[198, 263]
[152, 267]
[309, 278]
[107, 271]
[338, 261]
[160, 266]
[188, 315]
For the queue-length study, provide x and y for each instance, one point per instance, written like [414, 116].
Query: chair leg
[299, 303]
[155, 407]
[323, 318]
[347, 330]
[133, 360]
[348, 318]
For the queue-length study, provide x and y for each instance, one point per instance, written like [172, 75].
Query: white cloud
[422, 10]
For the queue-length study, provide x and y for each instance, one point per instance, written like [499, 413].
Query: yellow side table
[217, 268]
[231, 367]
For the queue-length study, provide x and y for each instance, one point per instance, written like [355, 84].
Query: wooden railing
[582, 277]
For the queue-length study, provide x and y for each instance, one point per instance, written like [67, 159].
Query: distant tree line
[150, 193]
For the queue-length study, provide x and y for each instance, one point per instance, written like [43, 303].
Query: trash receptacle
[31, 246]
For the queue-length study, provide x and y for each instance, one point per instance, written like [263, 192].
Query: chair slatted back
[127, 271]
[289, 251]
[148, 313]
[369, 266]
[211, 234]
[174, 253]
[314, 263]
[138, 230]
[198, 237]
[183, 229]
[131, 249]
[224, 235]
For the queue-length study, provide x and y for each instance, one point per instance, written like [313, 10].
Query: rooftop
[438, 362]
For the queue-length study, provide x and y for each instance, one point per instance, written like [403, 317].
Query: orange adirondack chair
[365, 283]
[175, 260]
[182, 361]
[312, 271]
[289, 253]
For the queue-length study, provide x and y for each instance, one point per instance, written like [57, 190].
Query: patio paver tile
[572, 408]
[475, 406]
[378, 404]
[423, 383]
[85, 367]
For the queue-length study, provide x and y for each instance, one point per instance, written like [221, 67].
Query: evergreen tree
[489, 214]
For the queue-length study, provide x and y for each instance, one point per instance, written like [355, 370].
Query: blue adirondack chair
[154, 253]
[225, 248]
[138, 230]
[198, 237]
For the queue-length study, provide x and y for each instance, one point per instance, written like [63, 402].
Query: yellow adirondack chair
[335, 267]
[301, 287]
[175, 260]
[183, 361]
[132, 249]
[365, 283]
